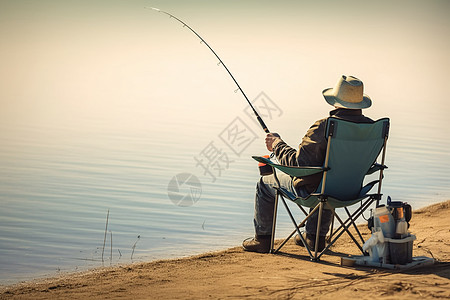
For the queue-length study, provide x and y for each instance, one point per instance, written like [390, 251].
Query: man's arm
[285, 154]
[311, 150]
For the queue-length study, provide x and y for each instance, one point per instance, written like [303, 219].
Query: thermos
[402, 214]
[265, 169]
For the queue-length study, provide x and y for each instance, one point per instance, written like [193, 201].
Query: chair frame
[366, 202]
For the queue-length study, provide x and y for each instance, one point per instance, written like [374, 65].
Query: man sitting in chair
[348, 99]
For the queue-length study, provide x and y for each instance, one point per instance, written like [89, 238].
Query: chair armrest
[375, 168]
[292, 171]
[366, 189]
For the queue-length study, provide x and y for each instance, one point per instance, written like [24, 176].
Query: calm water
[57, 185]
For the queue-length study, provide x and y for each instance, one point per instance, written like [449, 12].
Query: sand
[235, 274]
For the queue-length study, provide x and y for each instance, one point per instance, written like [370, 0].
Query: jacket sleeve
[285, 154]
[310, 152]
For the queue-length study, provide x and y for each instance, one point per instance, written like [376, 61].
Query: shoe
[260, 244]
[311, 242]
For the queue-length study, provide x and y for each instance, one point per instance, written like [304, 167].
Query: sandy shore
[236, 274]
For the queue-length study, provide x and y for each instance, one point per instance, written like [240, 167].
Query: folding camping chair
[352, 152]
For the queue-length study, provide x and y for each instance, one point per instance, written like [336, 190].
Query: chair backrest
[354, 148]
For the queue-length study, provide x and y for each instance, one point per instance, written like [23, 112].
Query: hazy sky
[71, 61]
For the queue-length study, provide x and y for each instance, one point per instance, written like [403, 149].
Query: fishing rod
[261, 122]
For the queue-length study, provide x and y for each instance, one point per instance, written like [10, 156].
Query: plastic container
[383, 219]
[400, 250]
[377, 248]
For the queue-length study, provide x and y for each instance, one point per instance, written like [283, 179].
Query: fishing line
[261, 122]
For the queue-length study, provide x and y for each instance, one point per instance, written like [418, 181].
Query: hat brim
[334, 101]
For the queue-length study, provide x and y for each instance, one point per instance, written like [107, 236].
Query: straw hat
[348, 93]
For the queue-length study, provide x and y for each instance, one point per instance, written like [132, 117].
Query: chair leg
[332, 226]
[356, 214]
[319, 224]
[334, 233]
[274, 222]
[297, 227]
[354, 225]
[345, 228]
[313, 257]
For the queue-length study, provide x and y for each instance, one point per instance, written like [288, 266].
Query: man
[348, 99]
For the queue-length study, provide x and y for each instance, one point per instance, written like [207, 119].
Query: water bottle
[397, 210]
[401, 229]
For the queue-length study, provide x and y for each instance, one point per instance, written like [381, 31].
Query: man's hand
[270, 138]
